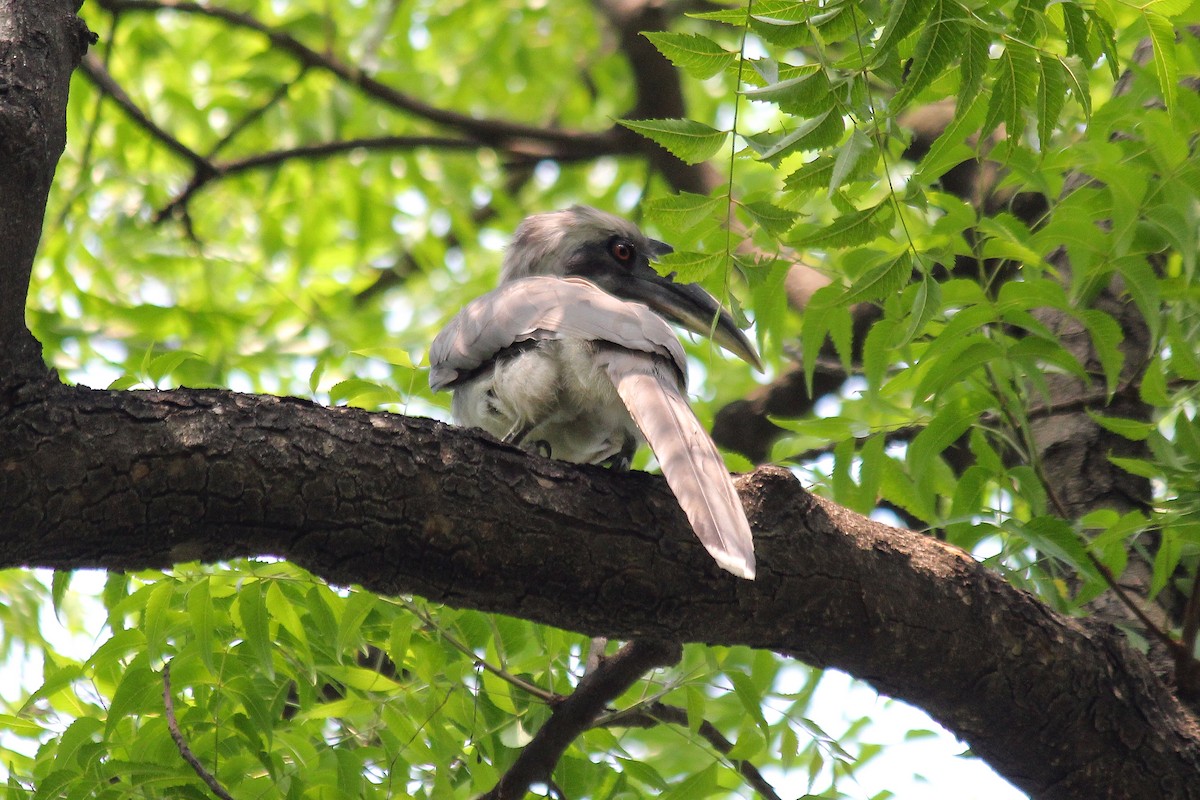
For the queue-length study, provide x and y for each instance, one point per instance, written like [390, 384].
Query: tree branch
[549, 142]
[657, 712]
[100, 77]
[129, 480]
[40, 44]
[575, 714]
[309, 152]
[173, 726]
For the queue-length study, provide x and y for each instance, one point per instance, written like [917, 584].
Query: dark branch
[310, 152]
[576, 713]
[657, 712]
[130, 480]
[96, 72]
[181, 743]
[499, 133]
[40, 44]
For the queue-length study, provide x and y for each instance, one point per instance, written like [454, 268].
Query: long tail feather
[689, 459]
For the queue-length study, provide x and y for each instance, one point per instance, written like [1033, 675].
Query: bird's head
[612, 253]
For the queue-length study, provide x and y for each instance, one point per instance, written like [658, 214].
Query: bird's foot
[516, 434]
[619, 461]
[541, 447]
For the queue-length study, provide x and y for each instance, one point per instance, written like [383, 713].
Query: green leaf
[903, 18]
[699, 785]
[1108, 43]
[139, 693]
[781, 11]
[884, 280]
[698, 55]
[201, 615]
[163, 365]
[59, 583]
[1012, 92]
[751, 698]
[1137, 466]
[1166, 559]
[849, 156]
[970, 354]
[363, 393]
[1076, 29]
[951, 148]
[154, 620]
[1132, 429]
[802, 95]
[1106, 340]
[949, 424]
[813, 134]
[941, 41]
[695, 703]
[689, 141]
[1169, 8]
[1079, 84]
[1055, 537]
[973, 65]
[690, 267]
[1153, 389]
[848, 230]
[879, 350]
[926, 301]
[824, 316]
[396, 356]
[774, 220]
[1051, 94]
[252, 610]
[682, 212]
[814, 175]
[1166, 62]
[358, 606]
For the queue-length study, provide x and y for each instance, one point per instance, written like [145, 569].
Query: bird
[572, 357]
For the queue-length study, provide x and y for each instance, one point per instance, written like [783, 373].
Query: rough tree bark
[126, 480]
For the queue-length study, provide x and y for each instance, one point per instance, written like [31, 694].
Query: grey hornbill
[570, 357]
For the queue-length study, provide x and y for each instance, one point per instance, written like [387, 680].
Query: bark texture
[127, 480]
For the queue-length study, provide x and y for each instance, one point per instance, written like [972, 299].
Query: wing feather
[689, 459]
[545, 308]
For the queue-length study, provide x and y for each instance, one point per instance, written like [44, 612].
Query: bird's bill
[695, 309]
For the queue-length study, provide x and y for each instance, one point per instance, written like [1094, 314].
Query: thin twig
[281, 92]
[490, 131]
[576, 713]
[524, 685]
[184, 750]
[657, 712]
[94, 69]
[309, 151]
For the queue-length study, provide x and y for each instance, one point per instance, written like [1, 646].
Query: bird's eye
[622, 251]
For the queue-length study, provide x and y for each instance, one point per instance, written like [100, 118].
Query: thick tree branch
[128, 480]
[41, 41]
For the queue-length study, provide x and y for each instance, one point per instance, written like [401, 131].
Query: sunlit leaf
[688, 140]
[699, 55]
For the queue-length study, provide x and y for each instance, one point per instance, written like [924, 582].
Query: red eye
[622, 251]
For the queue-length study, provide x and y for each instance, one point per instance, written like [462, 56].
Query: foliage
[325, 274]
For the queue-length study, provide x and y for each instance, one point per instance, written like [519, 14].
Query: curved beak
[687, 305]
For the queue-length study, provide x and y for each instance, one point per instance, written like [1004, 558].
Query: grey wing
[690, 461]
[545, 308]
